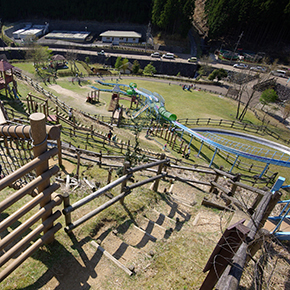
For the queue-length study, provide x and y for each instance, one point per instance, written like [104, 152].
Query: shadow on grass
[64, 267]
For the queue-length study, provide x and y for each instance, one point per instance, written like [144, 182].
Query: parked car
[258, 68]
[168, 55]
[278, 73]
[192, 59]
[240, 65]
[102, 52]
[155, 54]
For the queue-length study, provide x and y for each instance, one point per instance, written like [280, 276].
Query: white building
[29, 32]
[117, 37]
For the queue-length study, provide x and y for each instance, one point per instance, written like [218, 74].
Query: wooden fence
[41, 190]
[227, 194]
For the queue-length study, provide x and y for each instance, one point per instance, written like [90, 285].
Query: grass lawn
[178, 262]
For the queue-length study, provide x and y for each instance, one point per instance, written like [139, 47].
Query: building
[117, 37]
[30, 32]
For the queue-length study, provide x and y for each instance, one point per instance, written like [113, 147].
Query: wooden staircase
[135, 240]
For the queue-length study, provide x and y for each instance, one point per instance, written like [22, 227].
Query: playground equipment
[7, 78]
[93, 96]
[154, 103]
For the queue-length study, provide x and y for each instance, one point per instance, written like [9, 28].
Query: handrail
[95, 194]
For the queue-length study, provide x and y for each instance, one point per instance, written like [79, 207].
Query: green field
[175, 258]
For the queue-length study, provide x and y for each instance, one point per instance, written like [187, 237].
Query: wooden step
[172, 209]
[120, 250]
[153, 228]
[161, 219]
[135, 236]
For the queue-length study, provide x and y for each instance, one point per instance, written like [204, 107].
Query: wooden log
[193, 169]
[91, 186]
[148, 165]
[222, 188]
[156, 183]
[235, 186]
[218, 174]
[27, 188]
[99, 209]
[248, 187]
[46, 238]
[209, 203]
[96, 194]
[66, 203]
[223, 173]
[113, 259]
[29, 222]
[223, 253]
[28, 238]
[27, 207]
[176, 177]
[231, 277]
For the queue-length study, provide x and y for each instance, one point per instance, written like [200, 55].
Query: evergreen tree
[118, 63]
[136, 67]
[149, 69]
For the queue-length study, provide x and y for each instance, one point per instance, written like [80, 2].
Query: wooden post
[223, 253]
[74, 125]
[92, 130]
[166, 132]
[47, 110]
[156, 182]
[216, 179]
[59, 152]
[169, 135]
[66, 203]
[110, 175]
[124, 183]
[237, 178]
[39, 137]
[180, 148]
[174, 141]
[79, 162]
[161, 133]
[172, 135]
[100, 159]
[231, 277]
[184, 149]
[28, 104]
[56, 112]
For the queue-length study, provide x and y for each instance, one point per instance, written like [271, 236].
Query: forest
[262, 22]
[172, 16]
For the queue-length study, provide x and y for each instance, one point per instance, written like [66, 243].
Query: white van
[279, 73]
[168, 55]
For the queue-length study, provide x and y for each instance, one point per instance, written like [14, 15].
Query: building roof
[68, 35]
[4, 65]
[113, 33]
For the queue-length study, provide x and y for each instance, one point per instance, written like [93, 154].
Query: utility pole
[241, 35]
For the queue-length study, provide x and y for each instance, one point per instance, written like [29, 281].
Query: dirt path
[78, 101]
